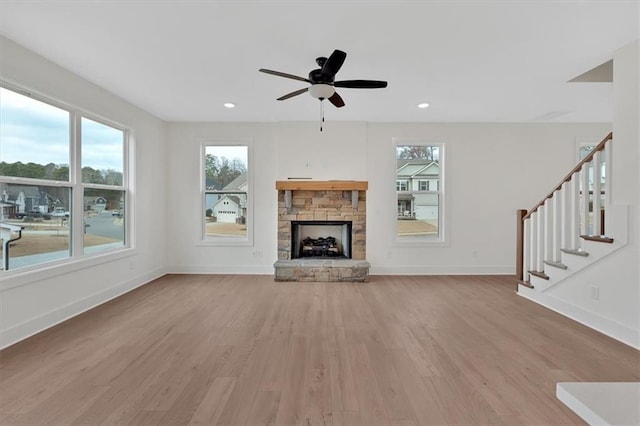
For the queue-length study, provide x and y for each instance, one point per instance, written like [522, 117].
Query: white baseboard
[212, 269]
[33, 326]
[375, 270]
[606, 326]
[442, 270]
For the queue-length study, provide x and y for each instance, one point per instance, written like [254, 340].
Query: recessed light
[423, 105]
[229, 105]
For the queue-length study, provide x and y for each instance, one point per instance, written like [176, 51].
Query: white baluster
[548, 230]
[575, 211]
[567, 219]
[608, 152]
[539, 266]
[557, 225]
[584, 200]
[533, 234]
[597, 185]
[526, 265]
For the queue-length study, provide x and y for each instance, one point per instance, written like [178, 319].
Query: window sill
[30, 275]
[398, 242]
[224, 242]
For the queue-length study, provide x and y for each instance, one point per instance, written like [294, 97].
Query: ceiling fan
[322, 84]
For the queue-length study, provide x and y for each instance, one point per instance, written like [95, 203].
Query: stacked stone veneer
[322, 205]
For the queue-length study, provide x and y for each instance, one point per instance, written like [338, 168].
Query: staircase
[565, 232]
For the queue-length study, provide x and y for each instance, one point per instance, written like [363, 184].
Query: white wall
[30, 302]
[338, 152]
[492, 170]
[186, 253]
[617, 312]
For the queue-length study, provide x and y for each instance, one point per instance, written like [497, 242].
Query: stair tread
[525, 283]
[575, 252]
[597, 238]
[559, 265]
[539, 274]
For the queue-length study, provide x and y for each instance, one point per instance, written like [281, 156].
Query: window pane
[42, 212]
[104, 219]
[34, 138]
[102, 153]
[418, 215]
[226, 185]
[417, 191]
[226, 214]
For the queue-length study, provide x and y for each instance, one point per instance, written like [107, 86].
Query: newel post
[520, 244]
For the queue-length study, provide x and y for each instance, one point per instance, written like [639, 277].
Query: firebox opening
[321, 239]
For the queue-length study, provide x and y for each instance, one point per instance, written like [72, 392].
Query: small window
[418, 194]
[226, 198]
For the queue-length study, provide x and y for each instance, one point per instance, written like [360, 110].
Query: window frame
[219, 241]
[77, 252]
[402, 183]
[441, 239]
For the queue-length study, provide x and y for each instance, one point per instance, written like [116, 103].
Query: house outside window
[419, 200]
[62, 192]
[226, 194]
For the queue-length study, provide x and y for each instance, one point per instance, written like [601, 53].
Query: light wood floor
[235, 350]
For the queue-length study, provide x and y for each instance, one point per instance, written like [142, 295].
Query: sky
[230, 152]
[33, 131]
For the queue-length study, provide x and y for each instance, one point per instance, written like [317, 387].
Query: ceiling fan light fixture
[321, 91]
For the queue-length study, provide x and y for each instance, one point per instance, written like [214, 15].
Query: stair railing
[573, 209]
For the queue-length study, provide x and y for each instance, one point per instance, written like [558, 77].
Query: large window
[226, 200]
[62, 182]
[419, 197]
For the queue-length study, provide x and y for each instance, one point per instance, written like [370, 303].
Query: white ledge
[606, 403]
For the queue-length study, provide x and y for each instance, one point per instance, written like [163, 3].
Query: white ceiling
[473, 61]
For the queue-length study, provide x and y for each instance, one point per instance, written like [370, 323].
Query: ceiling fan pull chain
[321, 114]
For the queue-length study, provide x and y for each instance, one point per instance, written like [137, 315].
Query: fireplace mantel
[321, 185]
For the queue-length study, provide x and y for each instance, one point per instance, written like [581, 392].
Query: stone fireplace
[321, 231]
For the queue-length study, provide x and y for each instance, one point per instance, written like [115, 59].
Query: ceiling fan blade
[361, 84]
[284, 74]
[336, 100]
[334, 63]
[292, 94]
